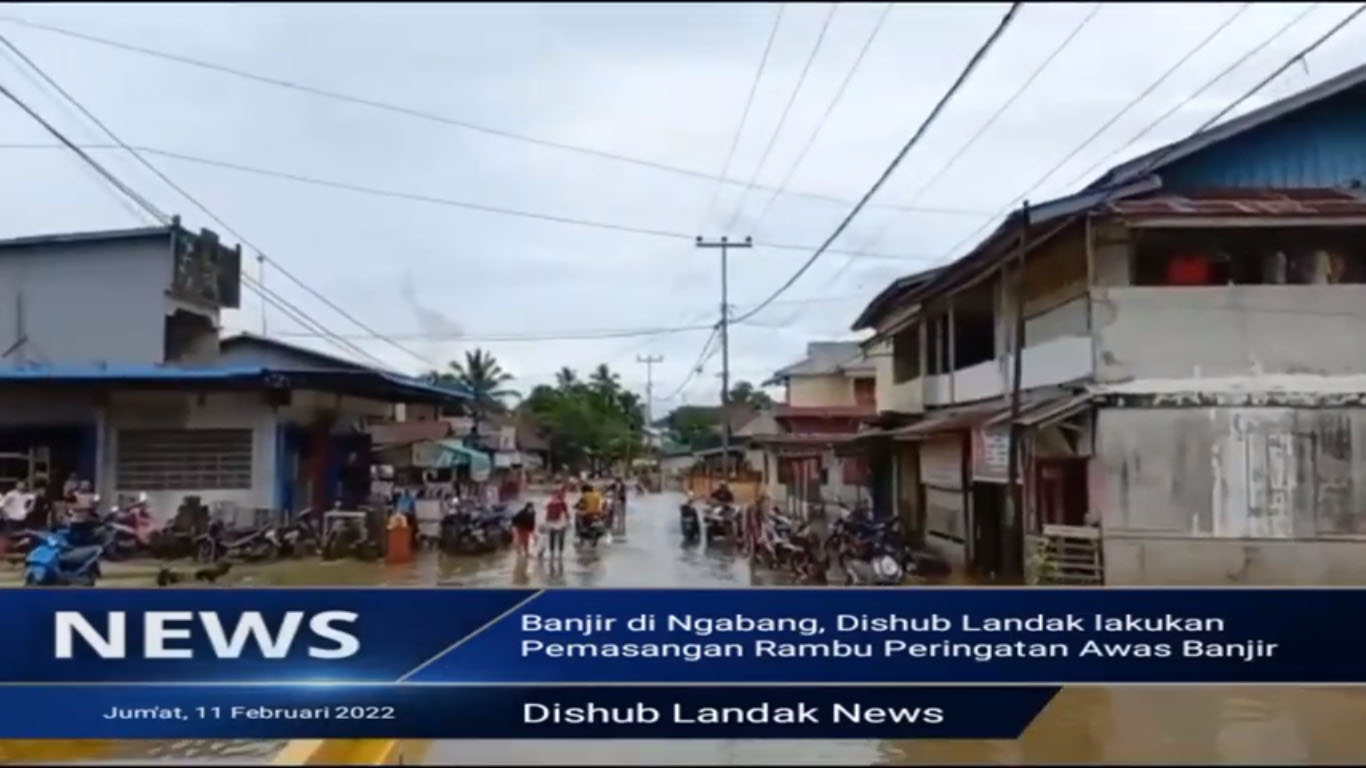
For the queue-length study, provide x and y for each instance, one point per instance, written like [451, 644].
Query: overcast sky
[662, 83]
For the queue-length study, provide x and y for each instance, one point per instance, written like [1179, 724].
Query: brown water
[1154, 725]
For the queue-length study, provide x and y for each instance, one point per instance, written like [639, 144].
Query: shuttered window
[184, 459]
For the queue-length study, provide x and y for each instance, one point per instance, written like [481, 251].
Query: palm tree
[604, 381]
[566, 377]
[483, 378]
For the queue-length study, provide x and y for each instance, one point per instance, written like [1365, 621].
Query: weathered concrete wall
[1150, 332]
[1209, 495]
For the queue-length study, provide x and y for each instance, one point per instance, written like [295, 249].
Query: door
[988, 513]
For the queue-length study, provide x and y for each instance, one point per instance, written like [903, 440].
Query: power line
[437, 118]
[156, 213]
[744, 115]
[896, 161]
[782, 118]
[450, 202]
[1198, 92]
[1101, 130]
[990, 121]
[169, 182]
[697, 367]
[829, 109]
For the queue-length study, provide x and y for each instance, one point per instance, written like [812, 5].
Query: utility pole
[725, 244]
[1015, 525]
[649, 362]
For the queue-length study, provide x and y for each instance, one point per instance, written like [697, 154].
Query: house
[1191, 380]
[111, 366]
[827, 396]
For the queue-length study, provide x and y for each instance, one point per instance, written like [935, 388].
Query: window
[1266, 256]
[906, 355]
[865, 393]
[184, 459]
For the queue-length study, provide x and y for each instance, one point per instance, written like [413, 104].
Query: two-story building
[827, 395]
[111, 368]
[1191, 380]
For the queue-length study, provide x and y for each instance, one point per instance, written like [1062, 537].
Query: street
[1083, 724]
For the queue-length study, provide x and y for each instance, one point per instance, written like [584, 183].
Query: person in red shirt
[1190, 269]
[556, 523]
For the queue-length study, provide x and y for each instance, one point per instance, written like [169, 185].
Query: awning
[445, 454]
[950, 420]
[1045, 412]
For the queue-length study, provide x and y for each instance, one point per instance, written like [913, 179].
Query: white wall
[1189, 332]
[87, 302]
[173, 410]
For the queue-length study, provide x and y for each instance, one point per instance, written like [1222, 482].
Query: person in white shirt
[16, 504]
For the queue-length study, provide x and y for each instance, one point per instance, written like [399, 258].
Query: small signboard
[991, 454]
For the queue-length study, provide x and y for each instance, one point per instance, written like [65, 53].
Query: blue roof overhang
[378, 385]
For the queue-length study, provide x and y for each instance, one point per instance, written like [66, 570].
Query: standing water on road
[1083, 724]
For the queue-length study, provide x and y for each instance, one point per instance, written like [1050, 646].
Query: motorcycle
[300, 538]
[869, 552]
[462, 533]
[689, 523]
[131, 527]
[719, 521]
[54, 562]
[216, 543]
[589, 529]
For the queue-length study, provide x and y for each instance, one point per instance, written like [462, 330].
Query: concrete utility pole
[724, 244]
[649, 362]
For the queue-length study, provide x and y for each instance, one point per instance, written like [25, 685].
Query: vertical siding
[1321, 146]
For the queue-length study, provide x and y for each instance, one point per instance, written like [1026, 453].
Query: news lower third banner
[599, 663]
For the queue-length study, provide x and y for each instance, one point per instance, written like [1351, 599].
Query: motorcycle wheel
[205, 552]
[332, 548]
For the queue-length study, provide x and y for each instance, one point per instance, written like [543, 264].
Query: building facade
[1189, 389]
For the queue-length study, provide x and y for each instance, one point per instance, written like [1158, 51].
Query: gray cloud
[661, 82]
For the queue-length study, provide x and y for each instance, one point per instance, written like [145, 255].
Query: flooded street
[1228, 724]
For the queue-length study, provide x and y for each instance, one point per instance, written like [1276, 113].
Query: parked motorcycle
[464, 533]
[55, 562]
[870, 553]
[347, 534]
[218, 543]
[301, 537]
[131, 527]
[718, 521]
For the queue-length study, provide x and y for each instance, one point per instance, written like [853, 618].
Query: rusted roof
[1033, 414]
[824, 412]
[1246, 202]
[405, 432]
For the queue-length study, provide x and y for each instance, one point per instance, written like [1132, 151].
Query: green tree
[485, 380]
[588, 423]
[744, 393]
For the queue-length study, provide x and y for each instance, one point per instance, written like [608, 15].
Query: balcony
[1057, 361]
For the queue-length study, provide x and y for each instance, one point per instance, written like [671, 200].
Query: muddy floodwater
[1172, 724]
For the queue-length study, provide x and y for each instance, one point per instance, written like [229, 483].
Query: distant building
[111, 363]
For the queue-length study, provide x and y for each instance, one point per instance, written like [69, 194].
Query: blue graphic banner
[441, 660]
[546, 712]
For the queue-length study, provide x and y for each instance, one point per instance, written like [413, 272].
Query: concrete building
[827, 395]
[1191, 378]
[111, 362]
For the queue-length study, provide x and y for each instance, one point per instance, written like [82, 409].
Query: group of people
[591, 505]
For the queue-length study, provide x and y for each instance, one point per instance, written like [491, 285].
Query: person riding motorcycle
[722, 495]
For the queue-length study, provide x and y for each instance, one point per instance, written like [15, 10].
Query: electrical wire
[433, 117]
[990, 121]
[143, 203]
[825, 117]
[744, 114]
[1192, 97]
[169, 182]
[972, 236]
[963, 76]
[782, 118]
[434, 200]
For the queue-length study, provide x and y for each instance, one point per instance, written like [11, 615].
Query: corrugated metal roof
[1044, 411]
[824, 412]
[824, 358]
[1307, 203]
[146, 374]
[951, 420]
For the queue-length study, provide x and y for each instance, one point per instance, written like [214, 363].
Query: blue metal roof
[85, 237]
[378, 382]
